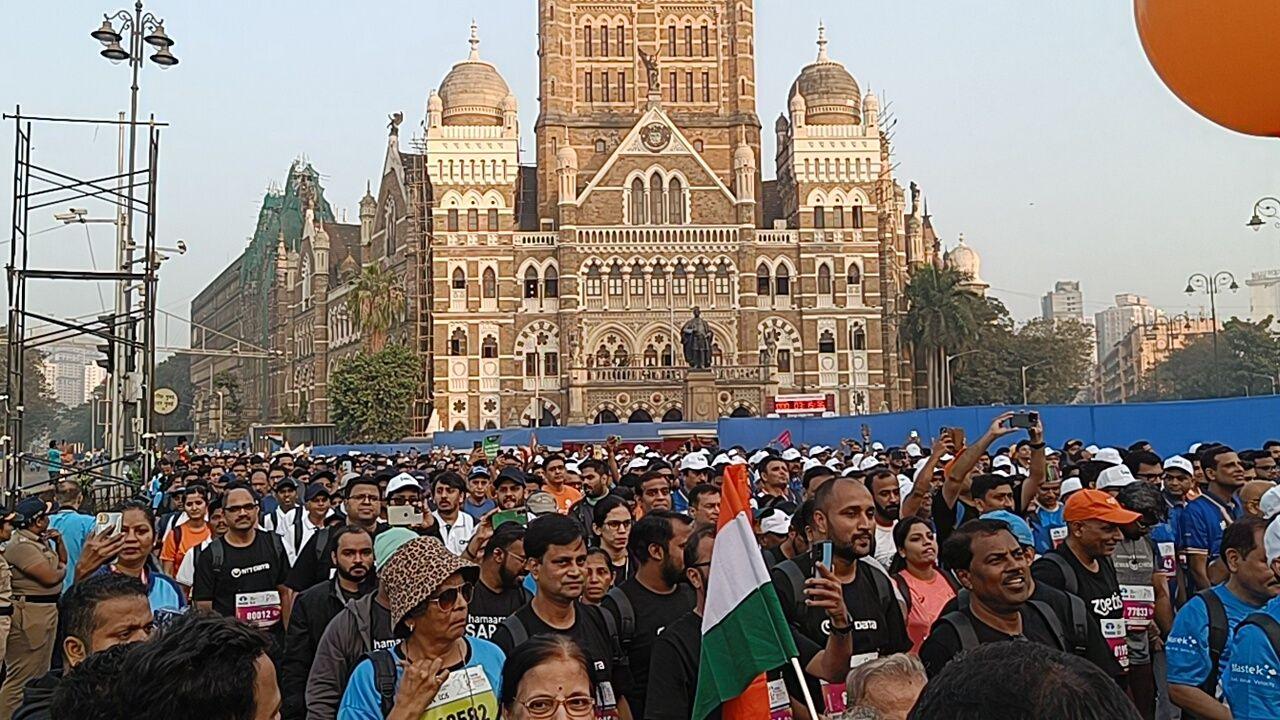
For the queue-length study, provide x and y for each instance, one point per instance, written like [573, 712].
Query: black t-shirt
[380, 630]
[260, 567]
[314, 564]
[946, 519]
[652, 612]
[1101, 594]
[943, 643]
[621, 573]
[773, 556]
[609, 669]
[488, 609]
[673, 669]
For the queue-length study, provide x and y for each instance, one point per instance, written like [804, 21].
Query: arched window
[473, 220]
[530, 283]
[640, 415]
[668, 356]
[600, 146]
[650, 356]
[637, 202]
[782, 283]
[306, 278]
[621, 358]
[819, 217]
[827, 342]
[493, 218]
[655, 200]
[856, 210]
[658, 283]
[859, 338]
[824, 279]
[551, 284]
[706, 40]
[764, 280]
[459, 279]
[784, 360]
[615, 280]
[489, 284]
[679, 281]
[722, 279]
[717, 354]
[459, 426]
[531, 364]
[839, 216]
[458, 342]
[606, 417]
[675, 201]
[604, 41]
[636, 282]
[489, 347]
[853, 275]
[390, 221]
[587, 41]
[622, 44]
[700, 280]
[453, 220]
[673, 415]
[602, 357]
[593, 281]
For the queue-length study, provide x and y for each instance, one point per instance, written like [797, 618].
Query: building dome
[473, 93]
[567, 158]
[830, 94]
[966, 261]
[743, 157]
[871, 102]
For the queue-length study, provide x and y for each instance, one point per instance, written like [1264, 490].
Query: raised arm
[1038, 465]
[969, 457]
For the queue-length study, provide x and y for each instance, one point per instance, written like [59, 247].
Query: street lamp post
[140, 30]
[950, 358]
[1275, 387]
[1025, 368]
[1267, 207]
[1211, 285]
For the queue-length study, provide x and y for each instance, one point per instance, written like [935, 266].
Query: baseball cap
[32, 509]
[315, 490]
[1116, 476]
[415, 572]
[287, 481]
[817, 450]
[1269, 503]
[478, 471]
[541, 503]
[1070, 485]
[1019, 527]
[913, 450]
[402, 481]
[638, 463]
[776, 523]
[791, 454]
[511, 474]
[1271, 542]
[694, 461]
[877, 446]
[868, 462]
[757, 456]
[1097, 505]
[1177, 462]
[1108, 455]
[387, 542]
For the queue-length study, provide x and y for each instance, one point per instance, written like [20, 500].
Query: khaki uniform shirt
[26, 550]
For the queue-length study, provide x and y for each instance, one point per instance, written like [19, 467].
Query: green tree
[227, 384]
[1057, 357]
[40, 406]
[942, 318]
[1247, 360]
[372, 394]
[376, 304]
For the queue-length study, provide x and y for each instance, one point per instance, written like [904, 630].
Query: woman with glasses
[547, 677]
[434, 672]
[613, 522]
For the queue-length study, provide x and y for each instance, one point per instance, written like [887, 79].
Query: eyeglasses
[616, 525]
[234, 509]
[543, 706]
[371, 499]
[448, 599]
[398, 501]
[1149, 476]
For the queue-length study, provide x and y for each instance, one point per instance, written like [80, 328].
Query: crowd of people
[942, 578]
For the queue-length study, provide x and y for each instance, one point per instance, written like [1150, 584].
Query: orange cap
[1097, 505]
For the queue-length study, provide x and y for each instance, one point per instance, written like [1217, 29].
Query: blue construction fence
[1170, 427]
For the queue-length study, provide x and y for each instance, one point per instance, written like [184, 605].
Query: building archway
[640, 415]
[675, 414]
[741, 412]
[605, 417]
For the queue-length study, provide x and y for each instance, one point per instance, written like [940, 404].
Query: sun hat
[415, 572]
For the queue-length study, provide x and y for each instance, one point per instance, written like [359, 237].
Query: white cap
[402, 481]
[757, 456]
[637, 463]
[721, 459]
[777, 523]
[1116, 476]
[834, 464]
[1001, 461]
[877, 446]
[913, 450]
[640, 449]
[694, 461]
[868, 462]
[1092, 449]
[572, 467]
[1108, 455]
[1195, 448]
[1271, 542]
[1177, 462]
[905, 486]
[1070, 485]
[918, 467]
[737, 460]
[946, 457]
[1269, 503]
[348, 477]
[816, 450]
[791, 454]
[849, 471]
[856, 459]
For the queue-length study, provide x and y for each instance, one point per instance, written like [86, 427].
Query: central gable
[655, 141]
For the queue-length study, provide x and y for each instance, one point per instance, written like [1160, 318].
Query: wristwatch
[1036, 446]
[848, 626]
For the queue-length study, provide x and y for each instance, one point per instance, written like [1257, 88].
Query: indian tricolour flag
[744, 633]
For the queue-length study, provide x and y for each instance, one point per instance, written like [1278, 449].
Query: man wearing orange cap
[1082, 566]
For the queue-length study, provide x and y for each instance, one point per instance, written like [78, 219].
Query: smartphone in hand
[108, 522]
[822, 552]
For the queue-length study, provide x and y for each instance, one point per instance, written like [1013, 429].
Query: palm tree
[942, 317]
[376, 304]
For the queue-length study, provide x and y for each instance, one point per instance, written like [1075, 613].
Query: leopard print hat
[416, 571]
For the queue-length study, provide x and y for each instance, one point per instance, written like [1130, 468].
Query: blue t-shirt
[75, 529]
[1187, 649]
[163, 594]
[478, 511]
[1251, 681]
[1202, 521]
[475, 687]
[1044, 525]
[55, 460]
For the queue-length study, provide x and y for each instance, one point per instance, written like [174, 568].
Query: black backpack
[520, 634]
[625, 629]
[963, 626]
[384, 677]
[884, 586]
[218, 551]
[1219, 633]
[1077, 617]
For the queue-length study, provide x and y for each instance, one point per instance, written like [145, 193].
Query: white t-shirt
[186, 574]
[286, 533]
[885, 548]
[457, 535]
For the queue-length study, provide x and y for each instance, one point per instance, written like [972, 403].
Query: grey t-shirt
[1135, 561]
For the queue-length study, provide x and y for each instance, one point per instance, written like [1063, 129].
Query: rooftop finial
[474, 41]
[822, 42]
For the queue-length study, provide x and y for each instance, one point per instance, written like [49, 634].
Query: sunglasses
[448, 599]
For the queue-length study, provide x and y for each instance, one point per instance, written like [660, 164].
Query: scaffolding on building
[421, 286]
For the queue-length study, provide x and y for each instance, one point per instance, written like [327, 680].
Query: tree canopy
[372, 394]
[1247, 363]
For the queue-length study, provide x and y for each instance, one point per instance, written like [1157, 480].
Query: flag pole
[804, 687]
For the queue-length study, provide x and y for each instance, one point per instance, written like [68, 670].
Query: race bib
[1167, 558]
[260, 609]
[466, 695]
[1057, 535]
[779, 701]
[1114, 631]
[1139, 606]
[606, 702]
[833, 693]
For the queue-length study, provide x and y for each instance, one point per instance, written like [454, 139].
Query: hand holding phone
[822, 553]
[403, 516]
[108, 522]
[1024, 419]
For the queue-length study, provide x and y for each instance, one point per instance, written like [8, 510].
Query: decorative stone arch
[668, 410]
[742, 409]
[639, 187]
[858, 197]
[551, 416]
[640, 411]
[606, 413]
[817, 196]
[608, 345]
[493, 199]
[451, 199]
[527, 339]
[787, 344]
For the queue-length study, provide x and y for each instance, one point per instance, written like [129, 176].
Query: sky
[1038, 130]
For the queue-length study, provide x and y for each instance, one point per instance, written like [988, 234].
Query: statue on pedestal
[695, 336]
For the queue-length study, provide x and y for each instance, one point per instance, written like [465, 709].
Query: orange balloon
[1221, 57]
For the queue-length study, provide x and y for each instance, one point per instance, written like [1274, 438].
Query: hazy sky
[1039, 130]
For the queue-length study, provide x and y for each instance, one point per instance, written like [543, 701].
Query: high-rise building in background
[1264, 295]
[71, 371]
[1064, 302]
[1114, 323]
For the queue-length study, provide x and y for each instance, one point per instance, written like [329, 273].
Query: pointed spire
[822, 43]
[474, 41]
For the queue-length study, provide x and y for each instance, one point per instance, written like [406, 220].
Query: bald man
[1251, 494]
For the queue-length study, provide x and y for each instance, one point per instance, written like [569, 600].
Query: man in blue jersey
[1251, 681]
[1205, 518]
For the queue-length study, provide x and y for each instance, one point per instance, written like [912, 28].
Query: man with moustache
[1207, 516]
[499, 592]
[886, 493]
[989, 562]
[844, 515]
[314, 607]
[509, 488]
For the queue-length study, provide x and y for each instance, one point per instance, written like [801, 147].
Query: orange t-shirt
[565, 498]
[172, 551]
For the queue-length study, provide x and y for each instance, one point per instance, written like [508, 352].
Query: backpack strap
[277, 546]
[626, 629]
[1266, 624]
[1080, 619]
[1055, 625]
[384, 678]
[322, 543]
[297, 532]
[519, 633]
[963, 626]
[962, 599]
[1219, 632]
[1070, 582]
[884, 586]
[217, 556]
[796, 578]
[903, 588]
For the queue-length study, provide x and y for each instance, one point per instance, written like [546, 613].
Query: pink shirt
[927, 601]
